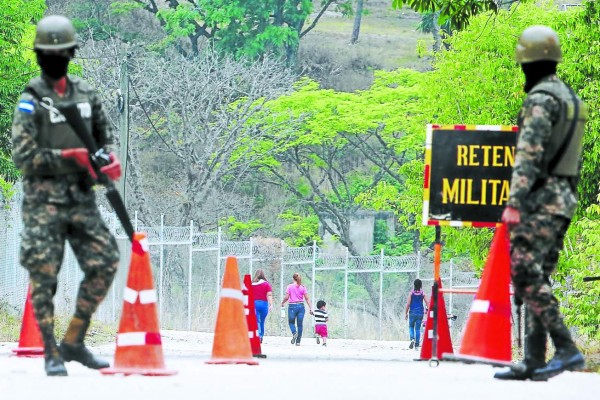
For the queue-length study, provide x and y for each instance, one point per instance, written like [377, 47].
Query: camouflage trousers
[46, 228]
[535, 244]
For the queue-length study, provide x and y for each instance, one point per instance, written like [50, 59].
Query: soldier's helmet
[55, 32]
[538, 43]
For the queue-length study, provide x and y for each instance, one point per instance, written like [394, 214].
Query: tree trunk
[435, 31]
[357, 18]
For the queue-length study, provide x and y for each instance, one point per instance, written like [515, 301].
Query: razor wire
[366, 295]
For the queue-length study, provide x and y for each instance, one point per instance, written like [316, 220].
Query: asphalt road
[345, 369]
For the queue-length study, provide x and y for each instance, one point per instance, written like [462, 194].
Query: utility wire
[150, 121]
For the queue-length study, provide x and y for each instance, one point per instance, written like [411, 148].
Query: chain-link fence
[366, 296]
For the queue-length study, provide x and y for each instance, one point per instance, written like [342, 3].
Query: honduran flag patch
[26, 106]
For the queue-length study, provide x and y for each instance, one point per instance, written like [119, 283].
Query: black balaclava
[55, 66]
[535, 71]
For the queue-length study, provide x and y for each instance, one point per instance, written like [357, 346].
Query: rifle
[98, 159]
[591, 278]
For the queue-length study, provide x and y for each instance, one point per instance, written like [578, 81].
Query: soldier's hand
[112, 170]
[511, 216]
[82, 157]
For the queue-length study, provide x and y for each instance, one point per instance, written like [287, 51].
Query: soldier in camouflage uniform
[543, 200]
[59, 201]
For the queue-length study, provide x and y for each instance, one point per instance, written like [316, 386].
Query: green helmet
[538, 43]
[55, 32]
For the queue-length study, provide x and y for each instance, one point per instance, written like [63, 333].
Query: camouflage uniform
[59, 203]
[546, 200]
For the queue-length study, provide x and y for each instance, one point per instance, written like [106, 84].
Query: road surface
[345, 369]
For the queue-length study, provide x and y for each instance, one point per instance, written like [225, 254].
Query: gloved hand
[82, 157]
[112, 170]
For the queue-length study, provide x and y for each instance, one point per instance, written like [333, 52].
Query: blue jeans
[262, 310]
[414, 327]
[296, 313]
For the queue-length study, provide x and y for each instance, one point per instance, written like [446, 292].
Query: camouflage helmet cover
[538, 43]
[55, 32]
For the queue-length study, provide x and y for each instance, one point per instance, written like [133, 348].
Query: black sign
[467, 174]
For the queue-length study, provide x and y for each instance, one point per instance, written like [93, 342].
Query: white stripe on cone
[480, 306]
[146, 296]
[232, 294]
[131, 339]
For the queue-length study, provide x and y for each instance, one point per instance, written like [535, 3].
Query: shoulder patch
[26, 106]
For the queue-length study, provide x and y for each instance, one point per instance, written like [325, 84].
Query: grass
[388, 40]
[10, 328]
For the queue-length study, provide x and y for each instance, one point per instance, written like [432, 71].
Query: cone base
[248, 361]
[28, 351]
[138, 371]
[477, 360]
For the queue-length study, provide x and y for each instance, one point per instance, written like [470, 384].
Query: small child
[321, 318]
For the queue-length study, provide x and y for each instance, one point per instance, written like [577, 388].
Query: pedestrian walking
[416, 305]
[542, 200]
[263, 299]
[297, 294]
[321, 318]
[59, 203]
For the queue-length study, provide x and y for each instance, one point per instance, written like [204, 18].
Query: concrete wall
[362, 227]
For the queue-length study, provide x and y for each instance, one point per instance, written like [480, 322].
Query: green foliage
[239, 230]
[17, 64]
[244, 28]
[582, 259]
[458, 12]
[301, 230]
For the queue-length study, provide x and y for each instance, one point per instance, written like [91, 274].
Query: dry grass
[388, 40]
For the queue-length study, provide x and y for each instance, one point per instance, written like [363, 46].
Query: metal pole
[314, 272]
[346, 295]
[451, 286]
[381, 294]
[189, 300]
[434, 362]
[251, 256]
[161, 269]
[218, 289]
[282, 315]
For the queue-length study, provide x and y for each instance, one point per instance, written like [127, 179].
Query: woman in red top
[263, 299]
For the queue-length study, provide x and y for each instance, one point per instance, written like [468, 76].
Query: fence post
[281, 318]
[346, 294]
[189, 300]
[161, 269]
[381, 294]
[218, 280]
[251, 256]
[314, 272]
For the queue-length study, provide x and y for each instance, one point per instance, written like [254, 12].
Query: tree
[244, 28]
[459, 12]
[17, 65]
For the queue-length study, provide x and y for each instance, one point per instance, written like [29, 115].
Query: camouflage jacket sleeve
[537, 115]
[27, 155]
[100, 124]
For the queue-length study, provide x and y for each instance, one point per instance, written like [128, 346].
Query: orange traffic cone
[444, 342]
[231, 345]
[487, 337]
[30, 341]
[251, 318]
[139, 344]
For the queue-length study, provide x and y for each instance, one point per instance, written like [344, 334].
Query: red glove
[112, 170]
[511, 216]
[81, 156]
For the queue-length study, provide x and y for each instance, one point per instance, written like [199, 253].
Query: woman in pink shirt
[296, 293]
[263, 299]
